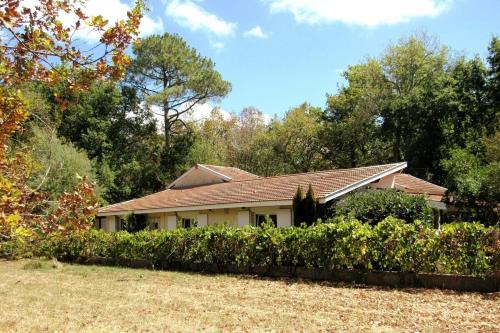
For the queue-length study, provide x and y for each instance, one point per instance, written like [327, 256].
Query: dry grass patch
[44, 296]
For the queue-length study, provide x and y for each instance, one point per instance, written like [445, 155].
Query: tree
[304, 207]
[309, 206]
[494, 74]
[415, 103]
[120, 136]
[213, 138]
[174, 77]
[352, 134]
[298, 207]
[296, 139]
[59, 166]
[37, 47]
[474, 183]
[416, 71]
[249, 145]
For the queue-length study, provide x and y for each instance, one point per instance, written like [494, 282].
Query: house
[209, 194]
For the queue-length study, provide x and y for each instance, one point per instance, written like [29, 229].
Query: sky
[280, 53]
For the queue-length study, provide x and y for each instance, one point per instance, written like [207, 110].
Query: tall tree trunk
[165, 113]
[167, 124]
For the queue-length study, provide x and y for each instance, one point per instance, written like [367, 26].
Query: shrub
[374, 206]
[400, 246]
[341, 243]
[464, 248]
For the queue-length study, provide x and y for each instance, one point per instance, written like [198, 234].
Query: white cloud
[197, 113]
[256, 32]
[190, 15]
[202, 111]
[368, 13]
[217, 46]
[111, 10]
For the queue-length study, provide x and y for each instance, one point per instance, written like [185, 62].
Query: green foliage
[339, 243]
[310, 206]
[59, 164]
[120, 136]
[374, 206]
[296, 139]
[135, 222]
[175, 77]
[352, 133]
[419, 103]
[494, 74]
[305, 207]
[461, 248]
[297, 208]
[475, 183]
[401, 246]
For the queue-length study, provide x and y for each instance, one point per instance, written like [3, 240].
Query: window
[98, 222]
[187, 223]
[154, 222]
[261, 218]
[122, 224]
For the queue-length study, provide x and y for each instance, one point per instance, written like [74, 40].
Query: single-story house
[210, 194]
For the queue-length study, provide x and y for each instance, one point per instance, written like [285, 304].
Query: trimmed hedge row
[459, 248]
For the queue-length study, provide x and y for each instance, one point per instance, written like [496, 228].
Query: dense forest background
[419, 102]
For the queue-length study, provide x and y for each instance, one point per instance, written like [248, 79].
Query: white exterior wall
[284, 218]
[218, 216]
[202, 220]
[243, 218]
[171, 222]
[237, 217]
[110, 223]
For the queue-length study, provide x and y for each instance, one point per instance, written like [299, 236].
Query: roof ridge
[224, 166]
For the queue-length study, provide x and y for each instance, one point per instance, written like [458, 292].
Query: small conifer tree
[309, 207]
[297, 207]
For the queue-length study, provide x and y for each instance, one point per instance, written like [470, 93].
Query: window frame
[256, 223]
[187, 219]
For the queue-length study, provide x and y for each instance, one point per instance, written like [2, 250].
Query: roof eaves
[223, 176]
[263, 203]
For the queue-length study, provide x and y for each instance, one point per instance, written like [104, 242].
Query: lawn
[41, 296]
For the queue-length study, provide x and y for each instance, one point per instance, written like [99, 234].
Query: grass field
[35, 296]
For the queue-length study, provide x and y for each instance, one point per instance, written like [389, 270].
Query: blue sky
[280, 53]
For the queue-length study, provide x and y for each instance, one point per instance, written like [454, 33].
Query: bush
[374, 206]
[342, 243]
[464, 248]
[401, 246]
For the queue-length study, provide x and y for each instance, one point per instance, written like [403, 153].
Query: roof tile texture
[411, 184]
[253, 190]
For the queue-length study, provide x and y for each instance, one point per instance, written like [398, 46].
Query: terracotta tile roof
[234, 173]
[276, 188]
[411, 184]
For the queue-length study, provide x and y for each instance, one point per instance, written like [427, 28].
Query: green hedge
[374, 206]
[461, 248]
